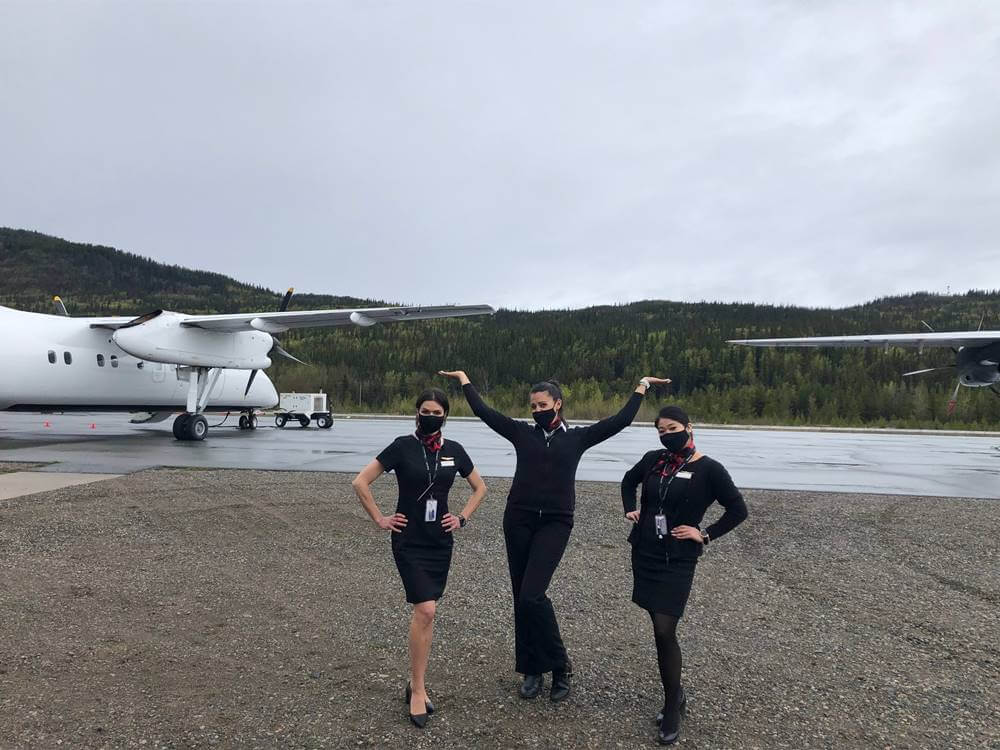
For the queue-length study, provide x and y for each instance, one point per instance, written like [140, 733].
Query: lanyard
[662, 491]
[431, 475]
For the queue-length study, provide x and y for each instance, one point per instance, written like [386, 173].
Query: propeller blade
[929, 369]
[981, 321]
[253, 374]
[954, 399]
[283, 353]
[928, 326]
[60, 307]
[284, 300]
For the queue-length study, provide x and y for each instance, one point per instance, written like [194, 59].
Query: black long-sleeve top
[686, 499]
[545, 476]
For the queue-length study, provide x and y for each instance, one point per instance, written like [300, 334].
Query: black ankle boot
[532, 685]
[560, 687]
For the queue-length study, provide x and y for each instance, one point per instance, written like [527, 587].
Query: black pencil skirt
[423, 568]
[659, 585]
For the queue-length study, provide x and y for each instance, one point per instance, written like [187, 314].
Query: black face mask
[428, 424]
[675, 441]
[544, 418]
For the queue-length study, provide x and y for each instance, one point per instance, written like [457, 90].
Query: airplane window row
[68, 359]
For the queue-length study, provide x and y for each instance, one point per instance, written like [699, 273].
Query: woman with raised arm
[422, 527]
[538, 518]
[679, 483]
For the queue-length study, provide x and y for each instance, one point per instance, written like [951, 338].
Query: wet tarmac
[963, 465]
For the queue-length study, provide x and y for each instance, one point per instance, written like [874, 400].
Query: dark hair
[675, 413]
[436, 395]
[552, 388]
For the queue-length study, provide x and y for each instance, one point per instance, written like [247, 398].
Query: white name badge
[447, 461]
[431, 511]
[683, 474]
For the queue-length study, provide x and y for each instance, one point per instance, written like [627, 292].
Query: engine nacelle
[160, 337]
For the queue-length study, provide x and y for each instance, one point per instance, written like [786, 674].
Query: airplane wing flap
[325, 318]
[919, 340]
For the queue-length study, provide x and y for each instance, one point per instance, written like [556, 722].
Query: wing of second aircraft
[918, 340]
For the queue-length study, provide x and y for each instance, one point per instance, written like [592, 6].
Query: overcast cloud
[521, 154]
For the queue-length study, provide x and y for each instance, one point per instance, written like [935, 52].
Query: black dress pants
[535, 545]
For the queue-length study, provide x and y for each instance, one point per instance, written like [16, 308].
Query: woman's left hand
[687, 532]
[450, 522]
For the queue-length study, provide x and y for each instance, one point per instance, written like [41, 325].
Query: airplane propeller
[275, 346]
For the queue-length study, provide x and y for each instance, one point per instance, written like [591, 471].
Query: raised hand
[459, 375]
[657, 381]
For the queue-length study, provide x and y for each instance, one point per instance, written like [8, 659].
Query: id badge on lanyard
[662, 527]
[431, 510]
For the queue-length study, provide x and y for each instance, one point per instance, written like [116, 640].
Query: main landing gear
[192, 425]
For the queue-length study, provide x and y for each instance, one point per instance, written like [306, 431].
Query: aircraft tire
[244, 422]
[252, 422]
[180, 426]
[197, 427]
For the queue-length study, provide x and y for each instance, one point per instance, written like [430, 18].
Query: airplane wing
[277, 322]
[918, 340]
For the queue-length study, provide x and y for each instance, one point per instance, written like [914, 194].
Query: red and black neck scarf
[432, 442]
[669, 463]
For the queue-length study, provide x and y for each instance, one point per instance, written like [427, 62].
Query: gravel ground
[262, 609]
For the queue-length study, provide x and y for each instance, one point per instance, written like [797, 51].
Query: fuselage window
[52, 357]
[100, 360]
[67, 358]
[114, 360]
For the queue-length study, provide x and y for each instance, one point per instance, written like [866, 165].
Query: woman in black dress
[421, 528]
[678, 485]
[538, 518]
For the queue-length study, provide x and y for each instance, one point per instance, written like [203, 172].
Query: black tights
[668, 655]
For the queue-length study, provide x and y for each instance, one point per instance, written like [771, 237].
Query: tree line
[597, 353]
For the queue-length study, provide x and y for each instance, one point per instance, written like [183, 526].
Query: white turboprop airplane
[977, 353]
[163, 362]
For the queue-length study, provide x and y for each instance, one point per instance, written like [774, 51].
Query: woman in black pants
[678, 485]
[422, 527]
[538, 518]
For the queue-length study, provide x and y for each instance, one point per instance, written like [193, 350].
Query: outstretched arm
[611, 426]
[500, 424]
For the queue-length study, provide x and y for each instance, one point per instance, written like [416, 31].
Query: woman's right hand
[395, 523]
[459, 375]
[633, 516]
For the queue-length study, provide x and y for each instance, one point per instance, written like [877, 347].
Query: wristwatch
[645, 383]
[462, 520]
[705, 538]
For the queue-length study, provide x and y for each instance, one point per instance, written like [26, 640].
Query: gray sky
[521, 154]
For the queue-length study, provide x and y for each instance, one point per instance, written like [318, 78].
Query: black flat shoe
[532, 685]
[560, 687]
[409, 694]
[419, 720]
[670, 728]
[683, 708]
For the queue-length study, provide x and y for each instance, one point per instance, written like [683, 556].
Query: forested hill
[597, 353]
